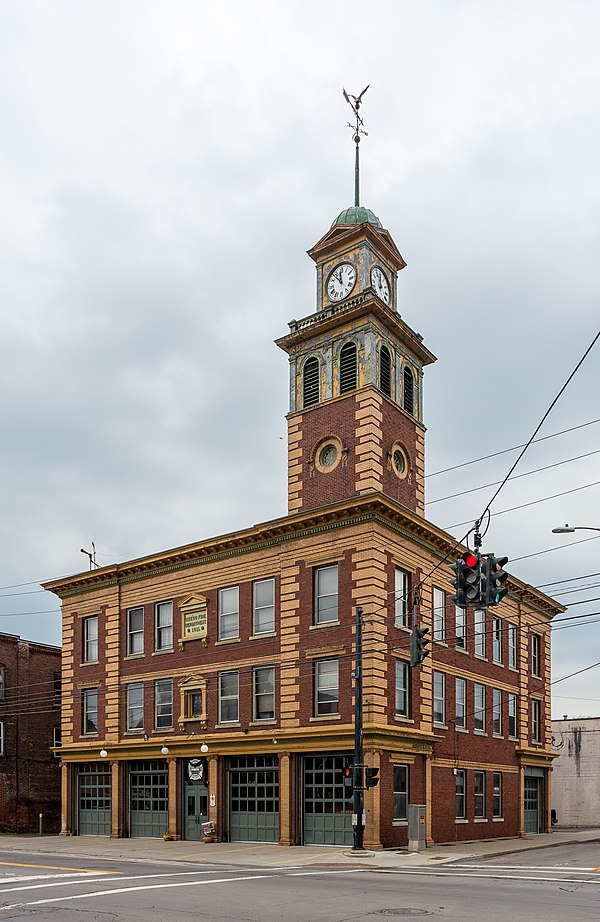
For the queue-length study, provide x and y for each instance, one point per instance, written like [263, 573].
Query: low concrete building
[576, 776]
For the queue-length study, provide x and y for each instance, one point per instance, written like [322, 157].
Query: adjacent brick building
[30, 699]
[215, 681]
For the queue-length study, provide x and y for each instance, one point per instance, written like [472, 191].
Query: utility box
[416, 827]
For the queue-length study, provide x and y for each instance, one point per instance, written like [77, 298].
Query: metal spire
[358, 128]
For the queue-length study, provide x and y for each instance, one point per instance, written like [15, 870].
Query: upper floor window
[135, 706]
[327, 687]
[135, 631]
[90, 710]
[401, 594]
[163, 617]
[56, 740]
[479, 708]
[439, 698]
[326, 594]
[497, 639]
[512, 714]
[461, 702]
[229, 613]
[536, 723]
[459, 623]
[400, 792]
[56, 689]
[461, 806]
[401, 688]
[229, 697]
[310, 382]
[479, 795]
[535, 655]
[347, 368]
[480, 632]
[512, 646]
[409, 390]
[439, 614]
[90, 639]
[2, 681]
[385, 370]
[263, 693]
[163, 704]
[496, 712]
[263, 594]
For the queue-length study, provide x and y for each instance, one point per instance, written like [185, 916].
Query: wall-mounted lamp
[274, 741]
[203, 748]
[165, 751]
[103, 753]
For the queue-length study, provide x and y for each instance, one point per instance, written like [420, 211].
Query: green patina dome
[357, 214]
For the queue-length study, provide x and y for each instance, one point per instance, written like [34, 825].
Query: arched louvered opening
[347, 368]
[385, 371]
[310, 383]
[409, 391]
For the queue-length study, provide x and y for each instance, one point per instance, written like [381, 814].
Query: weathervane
[358, 128]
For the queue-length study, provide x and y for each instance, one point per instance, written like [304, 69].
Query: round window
[328, 455]
[399, 461]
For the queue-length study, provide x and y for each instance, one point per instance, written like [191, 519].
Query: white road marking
[82, 875]
[440, 873]
[519, 867]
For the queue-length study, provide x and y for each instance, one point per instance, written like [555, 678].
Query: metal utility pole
[358, 773]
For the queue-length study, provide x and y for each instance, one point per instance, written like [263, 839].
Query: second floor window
[479, 707]
[163, 615]
[135, 631]
[401, 688]
[535, 655]
[459, 621]
[229, 697]
[461, 710]
[480, 632]
[264, 606]
[497, 639]
[439, 698]
[401, 603]
[512, 646]
[135, 706]
[327, 695]
[90, 710]
[536, 730]
[229, 613]
[263, 693]
[163, 704]
[326, 594]
[439, 614]
[90, 639]
[512, 714]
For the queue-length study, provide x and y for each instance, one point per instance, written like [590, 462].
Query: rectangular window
[135, 631]
[90, 639]
[163, 704]
[535, 655]
[497, 639]
[90, 710]
[461, 712]
[263, 690]
[400, 792]
[326, 594]
[536, 732]
[135, 706]
[461, 805]
[1, 738]
[229, 613]
[229, 697]
[479, 708]
[512, 715]
[439, 614]
[480, 632]
[326, 687]
[497, 806]
[194, 704]
[56, 689]
[479, 792]
[401, 598]
[56, 740]
[496, 712]
[439, 698]
[2, 681]
[163, 616]
[512, 646]
[459, 621]
[401, 688]
[263, 601]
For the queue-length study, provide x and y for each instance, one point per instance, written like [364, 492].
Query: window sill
[135, 656]
[401, 627]
[261, 721]
[227, 640]
[320, 718]
[498, 736]
[262, 634]
[481, 656]
[461, 729]
[513, 668]
[162, 652]
[497, 819]
[513, 739]
[497, 662]
[404, 719]
[480, 819]
[460, 649]
[479, 732]
[90, 662]
[440, 640]
[461, 822]
[129, 732]
[229, 725]
[440, 726]
[163, 730]
[316, 627]
[400, 823]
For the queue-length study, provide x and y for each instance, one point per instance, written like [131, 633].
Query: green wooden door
[94, 799]
[195, 810]
[327, 803]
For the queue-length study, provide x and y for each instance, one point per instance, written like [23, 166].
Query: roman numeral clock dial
[380, 284]
[341, 281]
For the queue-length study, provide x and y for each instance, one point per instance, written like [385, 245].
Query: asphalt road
[552, 885]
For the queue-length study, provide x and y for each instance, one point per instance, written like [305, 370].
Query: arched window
[385, 371]
[409, 391]
[310, 383]
[347, 368]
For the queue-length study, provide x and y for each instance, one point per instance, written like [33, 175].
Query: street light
[568, 529]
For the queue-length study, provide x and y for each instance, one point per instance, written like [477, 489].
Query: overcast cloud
[164, 166]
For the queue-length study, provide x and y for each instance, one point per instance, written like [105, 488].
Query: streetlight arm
[568, 529]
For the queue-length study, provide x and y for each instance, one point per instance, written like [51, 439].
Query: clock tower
[355, 421]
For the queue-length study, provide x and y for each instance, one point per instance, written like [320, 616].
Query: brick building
[30, 698]
[214, 681]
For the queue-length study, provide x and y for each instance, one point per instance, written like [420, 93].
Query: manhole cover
[402, 911]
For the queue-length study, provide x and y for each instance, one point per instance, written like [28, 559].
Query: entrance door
[532, 805]
[195, 802]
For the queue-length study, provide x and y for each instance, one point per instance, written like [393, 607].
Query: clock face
[341, 281]
[380, 284]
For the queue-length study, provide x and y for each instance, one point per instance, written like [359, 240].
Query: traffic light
[371, 777]
[418, 645]
[347, 775]
[467, 580]
[492, 577]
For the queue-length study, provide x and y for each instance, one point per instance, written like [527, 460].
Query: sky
[164, 167]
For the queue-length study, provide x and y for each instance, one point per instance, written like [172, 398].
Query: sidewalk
[257, 855]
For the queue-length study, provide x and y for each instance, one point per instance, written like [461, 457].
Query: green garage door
[148, 798]
[253, 798]
[327, 813]
[93, 782]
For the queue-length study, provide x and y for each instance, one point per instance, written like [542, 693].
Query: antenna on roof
[358, 128]
[91, 555]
